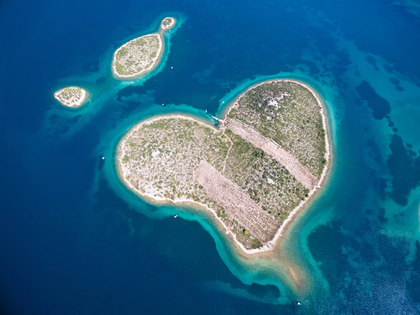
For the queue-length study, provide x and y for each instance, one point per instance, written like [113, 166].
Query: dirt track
[299, 171]
[236, 203]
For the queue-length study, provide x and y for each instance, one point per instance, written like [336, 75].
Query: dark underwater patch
[375, 151]
[101, 80]
[125, 92]
[405, 170]
[268, 291]
[381, 216]
[372, 61]
[53, 118]
[91, 67]
[75, 119]
[397, 84]
[376, 103]
[330, 255]
[413, 283]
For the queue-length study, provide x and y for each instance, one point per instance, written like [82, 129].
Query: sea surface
[74, 240]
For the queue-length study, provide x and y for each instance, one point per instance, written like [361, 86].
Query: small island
[71, 96]
[167, 23]
[140, 54]
[254, 172]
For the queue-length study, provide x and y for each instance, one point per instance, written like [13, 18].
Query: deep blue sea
[74, 240]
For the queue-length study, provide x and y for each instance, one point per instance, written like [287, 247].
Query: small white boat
[205, 111]
[103, 158]
[175, 216]
[172, 67]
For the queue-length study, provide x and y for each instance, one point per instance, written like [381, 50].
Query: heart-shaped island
[254, 172]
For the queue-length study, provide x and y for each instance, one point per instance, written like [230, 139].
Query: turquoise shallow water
[74, 240]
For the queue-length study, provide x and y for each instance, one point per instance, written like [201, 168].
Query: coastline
[269, 246]
[155, 61]
[77, 104]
